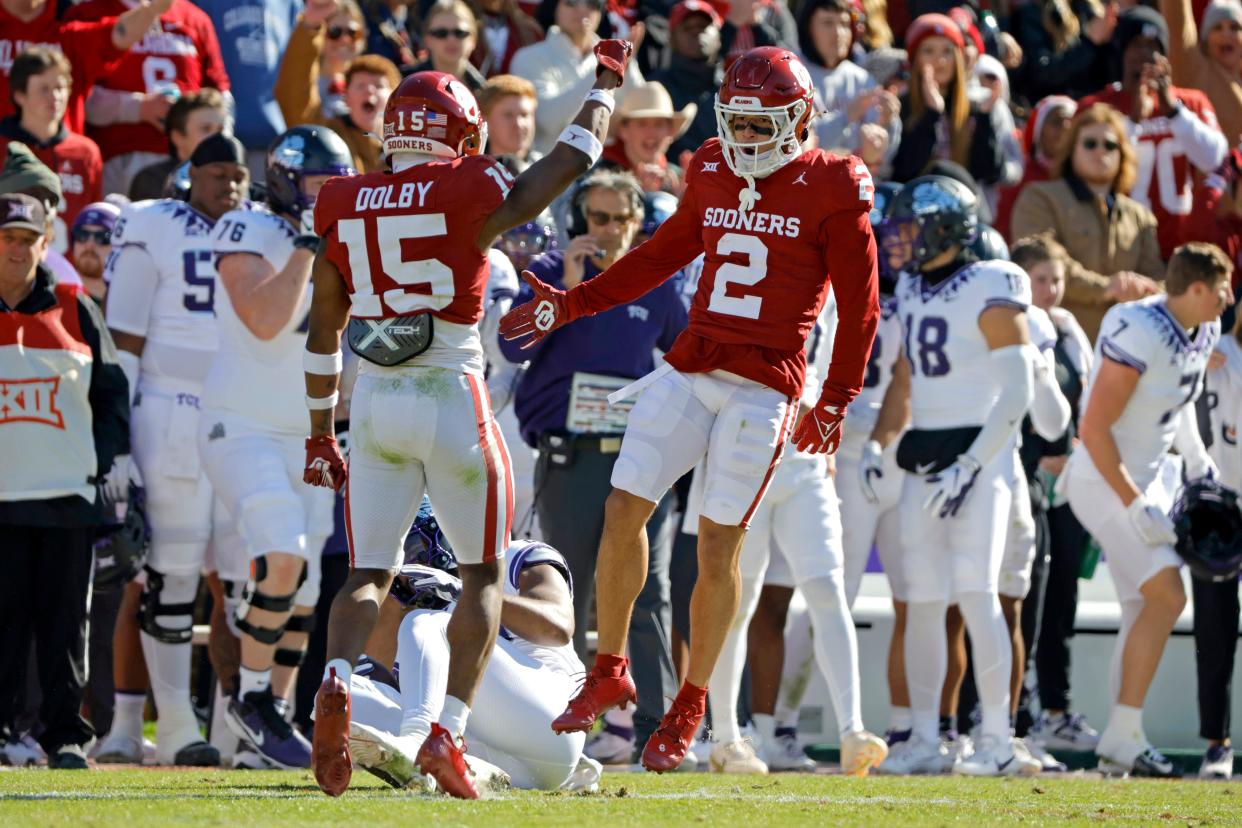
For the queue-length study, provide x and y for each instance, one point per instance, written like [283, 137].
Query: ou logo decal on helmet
[800, 73]
[545, 315]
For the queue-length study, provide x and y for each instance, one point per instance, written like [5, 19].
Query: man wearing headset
[561, 409]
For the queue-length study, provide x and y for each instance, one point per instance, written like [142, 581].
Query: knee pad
[166, 608]
[288, 656]
[252, 598]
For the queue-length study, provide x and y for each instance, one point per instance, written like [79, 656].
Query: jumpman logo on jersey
[801, 179]
[710, 166]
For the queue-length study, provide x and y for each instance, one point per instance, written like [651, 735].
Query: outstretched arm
[578, 148]
[328, 314]
[131, 26]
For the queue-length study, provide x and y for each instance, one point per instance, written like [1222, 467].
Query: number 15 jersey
[406, 243]
[766, 271]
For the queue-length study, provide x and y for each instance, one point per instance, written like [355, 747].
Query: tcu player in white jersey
[251, 435]
[404, 265]
[531, 675]
[801, 515]
[970, 363]
[161, 312]
[1151, 357]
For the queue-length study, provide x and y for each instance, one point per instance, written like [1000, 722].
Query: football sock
[168, 666]
[613, 665]
[726, 678]
[993, 658]
[899, 718]
[253, 681]
[836, 646]
[453, 716]
[1127, 722]
[424, 658]
[344, 670]
[799, 661]
[1129, 614]
[927, 660]
[127, 716]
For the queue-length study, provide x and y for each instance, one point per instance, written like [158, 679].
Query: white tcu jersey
[519, 556]
[262, 381]
[1144, 336]
[175, 241]
[885, 351]
[1043, 333]
[1224, 387]
[951, 382]
[819, 344]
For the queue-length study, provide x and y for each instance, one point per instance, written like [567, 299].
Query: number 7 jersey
[406, 243]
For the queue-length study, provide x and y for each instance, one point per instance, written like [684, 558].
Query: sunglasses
[441, 34]
[599, 217]
[337, 32]
[1094, 144]
[101, 237]
[595, 4]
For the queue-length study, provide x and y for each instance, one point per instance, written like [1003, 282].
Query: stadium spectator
[505, 29]
[369, 81]
[388, 30]
[990, 82]
[645, 126]
[449, 33]
[253, 35]
[57, 443]
[1041, 143]
[562, 68]
[91, 236]
[1110, 237]
[846, 94]
[40, 85]
[694, 72]
[179, 54]
[1066, 47]
[26, 174]
[752, 23]
[90, 48]
[1174, 129]
[577, 448]
[192, 118]
[938, 119]
[1209, 57]
[508, 105]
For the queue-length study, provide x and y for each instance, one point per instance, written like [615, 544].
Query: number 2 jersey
[259, 380]
[406, 243]
[766, 271]
[951, 379]
[1144, 336]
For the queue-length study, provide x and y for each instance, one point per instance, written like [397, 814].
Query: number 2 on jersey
[752, 273]
[426, 284]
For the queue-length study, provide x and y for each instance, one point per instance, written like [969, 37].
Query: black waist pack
[390, 342]
[934, 450]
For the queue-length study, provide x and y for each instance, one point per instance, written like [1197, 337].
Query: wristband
[322, 403]
[306, 241]
[602, 96]
[582, 140]
[322, 365]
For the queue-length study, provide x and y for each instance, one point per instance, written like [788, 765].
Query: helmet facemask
[746, 160]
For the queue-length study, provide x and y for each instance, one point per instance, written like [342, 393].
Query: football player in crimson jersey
[405, 254]
[775, 223]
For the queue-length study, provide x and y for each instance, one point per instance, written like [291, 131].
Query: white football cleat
[861, 751]
[916, 756]
[996, 757]
[1217, 763]
[1065, 731]
[1047, 762]
[488, 778]
[23, 752]
[585, 777]
[119, 749]
[785, 753]
[737, 757]
[388, 757]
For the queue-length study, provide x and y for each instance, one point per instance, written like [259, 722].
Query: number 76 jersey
[406, 243]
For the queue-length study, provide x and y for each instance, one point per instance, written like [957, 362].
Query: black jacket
[109, 399]
[986, 159]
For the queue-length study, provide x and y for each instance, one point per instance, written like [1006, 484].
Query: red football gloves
[546, 312]
[820, 429]
[613, 55]
[324, 464]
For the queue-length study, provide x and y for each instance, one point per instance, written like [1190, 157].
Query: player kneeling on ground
[531, 675]
[1150, 361]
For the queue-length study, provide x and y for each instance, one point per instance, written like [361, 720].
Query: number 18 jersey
[951, 382]
[406, 243]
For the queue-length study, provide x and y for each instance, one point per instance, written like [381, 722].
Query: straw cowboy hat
[651, 100]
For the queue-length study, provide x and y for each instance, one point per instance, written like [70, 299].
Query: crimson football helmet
[435, 114]
[767, 81]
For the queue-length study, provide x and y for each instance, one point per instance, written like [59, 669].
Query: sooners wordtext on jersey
[406, 242]
[766, 271]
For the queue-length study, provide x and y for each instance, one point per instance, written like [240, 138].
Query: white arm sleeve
[1050, 411]
[112, 106]
[1013, 371]
[131, 364]
[1189, 444]
[133, 280]
[1205, 144]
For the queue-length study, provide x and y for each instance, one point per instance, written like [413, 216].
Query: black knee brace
[251, 597]
[151, 609]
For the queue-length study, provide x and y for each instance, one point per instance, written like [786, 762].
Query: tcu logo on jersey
[30, 401]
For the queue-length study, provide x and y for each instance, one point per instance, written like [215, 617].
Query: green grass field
[139, 798]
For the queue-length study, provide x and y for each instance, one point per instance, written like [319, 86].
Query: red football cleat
[667, 747]
[600, 692]
[330, 757]
[444, 760]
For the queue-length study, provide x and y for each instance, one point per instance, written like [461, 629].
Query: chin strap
[748, 196]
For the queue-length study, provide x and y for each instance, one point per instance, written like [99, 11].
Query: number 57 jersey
[406, 243]
[766, 271]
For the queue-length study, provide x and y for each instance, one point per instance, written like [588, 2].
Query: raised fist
[613, 55]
